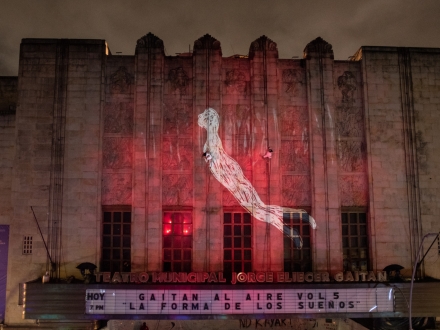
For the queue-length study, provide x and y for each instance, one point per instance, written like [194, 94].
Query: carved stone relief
[121, 81]
[347, 85]
[177, 154]
[228, 119]
[349, 122]
[237, 120]
[118, 118]
[236, 82]
[351, 156]
[292, 80]
[350, 146]
[177, 189]
[178, 80]
[116, 189]
[353, 190]
[294, 121]
[294, 156]
[296, 190]
[117, 153]
[243, 120]
[177, 119]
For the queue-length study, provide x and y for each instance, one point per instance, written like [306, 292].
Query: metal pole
[416, 264]
[44, 242]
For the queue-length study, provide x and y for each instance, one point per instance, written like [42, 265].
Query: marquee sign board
[239, 301]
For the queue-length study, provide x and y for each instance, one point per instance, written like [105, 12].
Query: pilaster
[318, 55]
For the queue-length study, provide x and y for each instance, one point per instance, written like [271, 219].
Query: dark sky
[346, 24]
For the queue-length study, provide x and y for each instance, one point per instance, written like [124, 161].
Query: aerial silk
[229, 173]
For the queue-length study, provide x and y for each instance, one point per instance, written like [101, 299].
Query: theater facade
[224, 192]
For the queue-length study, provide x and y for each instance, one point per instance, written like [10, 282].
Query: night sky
[347, 25]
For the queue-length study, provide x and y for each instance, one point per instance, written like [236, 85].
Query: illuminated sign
[239, 301]
[229, 173]
[249, 277]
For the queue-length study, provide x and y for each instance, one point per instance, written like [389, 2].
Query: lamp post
[416, 265]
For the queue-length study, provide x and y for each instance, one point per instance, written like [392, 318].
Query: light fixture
[46, 278]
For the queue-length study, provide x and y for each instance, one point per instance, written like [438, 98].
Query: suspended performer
[229, 173]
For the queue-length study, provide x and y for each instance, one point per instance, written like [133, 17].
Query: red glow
[167, 217]
[167, 229]
[187, 229]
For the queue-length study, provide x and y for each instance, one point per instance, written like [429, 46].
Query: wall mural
[229, 173]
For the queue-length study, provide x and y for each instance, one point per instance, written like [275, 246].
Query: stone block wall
[8, 103]
[424, 66]
[56, 165]
[401, 99]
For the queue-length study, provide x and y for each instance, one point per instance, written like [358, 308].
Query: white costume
[228, 172]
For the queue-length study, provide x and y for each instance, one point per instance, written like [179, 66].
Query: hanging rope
[266, 110]
[208, 183]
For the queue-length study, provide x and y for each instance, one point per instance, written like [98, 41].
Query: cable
[324, 141]
[266, 110]
[208, 182]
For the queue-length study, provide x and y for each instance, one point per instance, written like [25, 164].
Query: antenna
[44, 242]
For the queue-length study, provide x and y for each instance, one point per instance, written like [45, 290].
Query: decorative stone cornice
[263, 43]
[318, 46]
[149, 41]
[207, 42]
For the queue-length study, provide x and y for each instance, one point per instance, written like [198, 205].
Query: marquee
[239, 301]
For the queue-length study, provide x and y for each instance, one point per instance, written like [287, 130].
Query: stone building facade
[91, 140]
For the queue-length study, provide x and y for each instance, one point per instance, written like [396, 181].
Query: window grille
[116, 241]
[27, 244]
[297, 259]
[237, 242]
[354, 241]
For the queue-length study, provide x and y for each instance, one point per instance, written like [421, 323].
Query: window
[116, 241]
[27, 245]
[237, 242]
[354, 241]
[177, 241]
[297, 259]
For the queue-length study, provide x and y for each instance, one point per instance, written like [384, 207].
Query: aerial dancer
[229, 173]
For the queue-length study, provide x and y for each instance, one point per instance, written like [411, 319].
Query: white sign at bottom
[239, 301]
